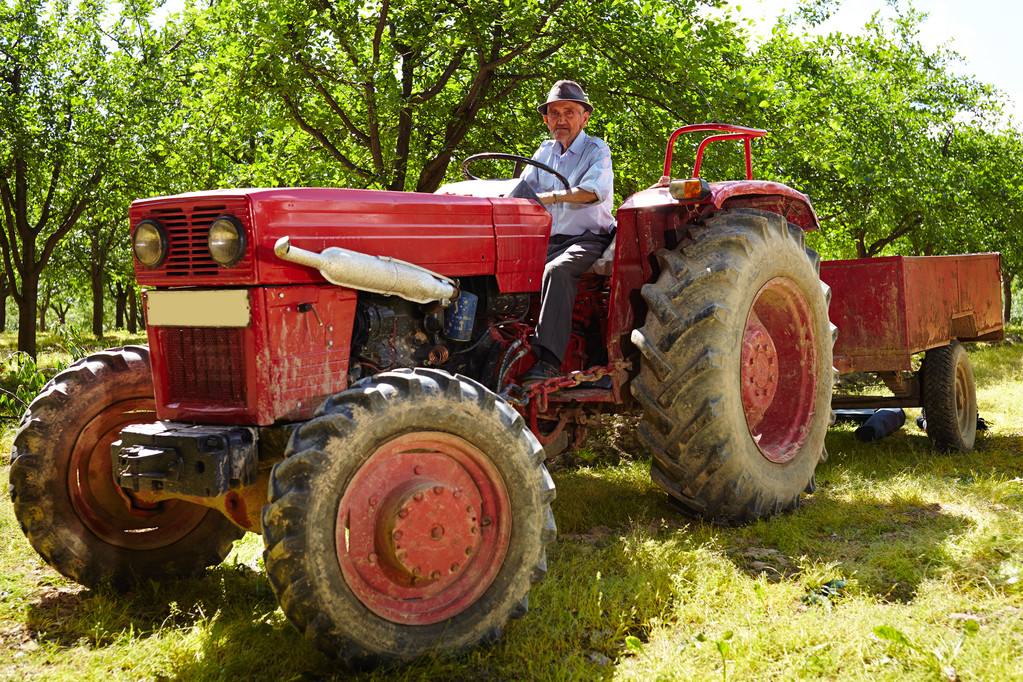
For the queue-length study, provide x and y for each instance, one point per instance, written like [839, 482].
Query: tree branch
[909, 223]
[323, 140]
[44, 214]
[379, 32]
[10, 233]
[7, 238]
[69, 220]
[332, 102]
[442, 80]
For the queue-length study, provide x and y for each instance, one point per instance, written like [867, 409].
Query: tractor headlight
[149, 243]
[226, 240]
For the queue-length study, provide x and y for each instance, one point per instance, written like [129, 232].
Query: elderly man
[581, 225]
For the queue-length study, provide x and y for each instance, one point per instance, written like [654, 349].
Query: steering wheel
[519, 161]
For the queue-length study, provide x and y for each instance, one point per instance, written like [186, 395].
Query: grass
[904, 564]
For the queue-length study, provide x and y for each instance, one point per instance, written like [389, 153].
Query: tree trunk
[3, 311]
[133, 310]
[96, 275]
[120, 305]
[1007, 295]
[27, 309]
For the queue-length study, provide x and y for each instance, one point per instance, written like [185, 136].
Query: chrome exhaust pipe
[376, 274]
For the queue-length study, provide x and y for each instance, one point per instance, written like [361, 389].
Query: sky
[981, 31]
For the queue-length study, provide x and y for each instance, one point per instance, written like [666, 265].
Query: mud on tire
[64, 494]
[736, 374]
[367, 551]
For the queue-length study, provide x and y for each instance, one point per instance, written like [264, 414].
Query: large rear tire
[65, 496]
[949, 398]
[411, 515]
[737, 373]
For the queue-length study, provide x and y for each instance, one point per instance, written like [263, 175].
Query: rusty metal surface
[760, 194]
[243, 506]
[293, 354]
[423, 528]
[778, 370]
[887, 309]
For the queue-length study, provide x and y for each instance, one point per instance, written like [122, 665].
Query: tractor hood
[453, 235]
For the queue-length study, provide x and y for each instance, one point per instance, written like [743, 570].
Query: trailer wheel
[737, 370]
[411, 515]
[949, 398]
[65, 497]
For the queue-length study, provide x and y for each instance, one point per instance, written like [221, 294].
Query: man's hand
[575, 195]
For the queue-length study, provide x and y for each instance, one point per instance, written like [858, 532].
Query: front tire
[737, 370]
[411, 515]
[64, 492]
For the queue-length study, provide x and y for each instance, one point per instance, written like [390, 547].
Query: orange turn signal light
[689, 189]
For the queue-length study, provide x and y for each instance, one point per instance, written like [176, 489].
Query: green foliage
[100, 104]
[870, 127]
[21, 380]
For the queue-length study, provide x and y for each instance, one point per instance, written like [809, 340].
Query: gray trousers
[568, 259]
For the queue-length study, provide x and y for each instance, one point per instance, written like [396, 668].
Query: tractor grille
[188, 256]
[205, 365]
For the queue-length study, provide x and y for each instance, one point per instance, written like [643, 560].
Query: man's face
[565, 120]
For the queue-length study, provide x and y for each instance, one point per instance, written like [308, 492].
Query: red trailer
[890, 309]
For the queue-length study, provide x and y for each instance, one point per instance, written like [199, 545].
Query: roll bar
[728, 132]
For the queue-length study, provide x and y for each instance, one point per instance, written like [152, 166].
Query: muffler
[376, 274]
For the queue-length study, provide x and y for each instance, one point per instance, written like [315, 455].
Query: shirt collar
[577, 144]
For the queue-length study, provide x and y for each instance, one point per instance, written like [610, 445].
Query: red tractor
[339, 370]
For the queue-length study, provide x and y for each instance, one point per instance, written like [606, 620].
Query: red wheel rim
[103, 506]
[778, 373]
[423, 528]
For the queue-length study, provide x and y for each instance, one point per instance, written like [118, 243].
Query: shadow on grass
[888, 540]
[626, 561]
[242, 631]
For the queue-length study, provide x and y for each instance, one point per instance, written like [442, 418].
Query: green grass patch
[904, 564]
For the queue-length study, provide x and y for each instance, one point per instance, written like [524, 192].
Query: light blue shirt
[587, 165]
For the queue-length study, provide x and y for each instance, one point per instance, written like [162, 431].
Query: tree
[64, 100]
[391, 92]
[868, 124]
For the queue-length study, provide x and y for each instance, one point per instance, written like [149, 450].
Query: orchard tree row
[104, 102]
